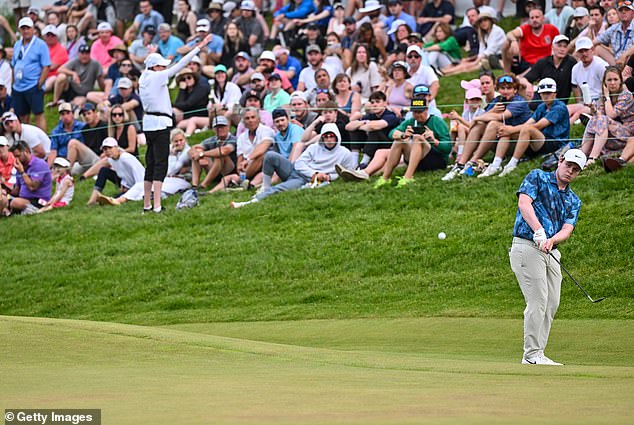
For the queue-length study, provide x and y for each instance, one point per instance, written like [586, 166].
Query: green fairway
[437, 371]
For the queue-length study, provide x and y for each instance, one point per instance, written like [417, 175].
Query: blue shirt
[28, 62]
[409, 20]
[169, 47]
[285, 143]
[295, 64]
[553, 207]
[214, 46]
[558, 115]
[520, 112]
[60, 137]
[155, 19]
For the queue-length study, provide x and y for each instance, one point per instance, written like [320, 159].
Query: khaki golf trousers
[539, 277]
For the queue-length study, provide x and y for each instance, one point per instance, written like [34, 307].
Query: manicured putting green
[364, 371]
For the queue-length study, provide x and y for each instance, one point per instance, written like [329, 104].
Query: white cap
[559, 38]
[576, 156]
[164, 27]
[196, 59]
[487, 12]
[62, 162]
[124, 83]
[50, 29]
[9, 116]
[104, 26]
[247, 5]
[581, 12]
[25, 22]
[547, 85]
[228, 8]
[109, 142]
[414, 48]
[203, 25]
[154, 59]
[299, 94]
[370, 6]
[583, 43]
[267, 54]
[397, 23]
[219, 120]
[4, 141]
[257, 76]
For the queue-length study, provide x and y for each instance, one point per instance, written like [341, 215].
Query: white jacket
[318, 159]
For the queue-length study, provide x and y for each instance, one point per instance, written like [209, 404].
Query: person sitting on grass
[178, 164]
[67, 130]
[38, 141]
[216, 154]
[612, 124]
[64, 185]
[312, 134]
[33, 186]
[122, 169]
[461, 124]
[444, 51]
[545, 132]
[316, 164]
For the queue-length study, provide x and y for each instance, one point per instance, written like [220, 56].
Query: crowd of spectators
[324, 91]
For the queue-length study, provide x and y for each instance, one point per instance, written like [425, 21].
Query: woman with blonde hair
[121, 128]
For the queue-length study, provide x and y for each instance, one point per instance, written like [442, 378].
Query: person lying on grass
[315, 165]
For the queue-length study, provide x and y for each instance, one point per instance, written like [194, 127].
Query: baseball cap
[395, 1]
[313, 48]
[397, 23]
[247, 5]
[202, 25]
[215, 6]
[400, 64]
[275, 76]
[280, 51]
[625, 4]
[473, 93]
[220, 120]
[228, 7]
[257, 76]
[9, 116]
[50, 29]
[420, 90]
[559, 38]
[252, 93]
[104, 26]
[337, 6]
[65, 107]
[109, 142]
[312, 26]
[154, 59]
[267, 54]
[220, 68]
[34, 10]
[244, 55]
[164, 27]
[583, 43]
[196, 59]
[61, 162]
[419, 104]
[580, 12]
[25, 22]
[416, 36]
[299, 94]
[279, 112]
[4, 141]
[349, 20]
[84, 48]
[124, 83]
[547, 85]
[88, 106]
[576, 156]
[150, 29]
[415, 49]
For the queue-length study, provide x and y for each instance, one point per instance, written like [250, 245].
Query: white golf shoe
[540, 360]
[455, 170]
[508, 170]
[490, 171]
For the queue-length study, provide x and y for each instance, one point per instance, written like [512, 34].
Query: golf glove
[539, 237]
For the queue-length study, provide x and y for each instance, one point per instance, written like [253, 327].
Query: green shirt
[437, 126]
[449, 46]
[271, 103]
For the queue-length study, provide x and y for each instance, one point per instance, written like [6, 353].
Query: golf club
[575, 281]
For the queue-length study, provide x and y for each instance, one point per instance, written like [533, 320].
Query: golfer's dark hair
[21, 146]
[377, 95]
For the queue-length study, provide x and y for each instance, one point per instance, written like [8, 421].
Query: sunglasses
[505, 79]
[117, 114]
[410, 56]
[329, 136]
[322, 91]
[126, 65]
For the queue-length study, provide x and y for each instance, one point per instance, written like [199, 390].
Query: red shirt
[534, 47]
[6, 168]
[59, 56]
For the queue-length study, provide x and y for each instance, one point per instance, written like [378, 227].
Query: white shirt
[128, 168]
[246, 147]
[307, 76]
[6, 74]
[592, 74]
[155, 95]
[492, 44]
[34, 136]
[231, 95]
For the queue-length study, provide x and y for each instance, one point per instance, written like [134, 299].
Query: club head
[598, 300]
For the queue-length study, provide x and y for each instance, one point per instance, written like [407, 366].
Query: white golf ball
[442, 236]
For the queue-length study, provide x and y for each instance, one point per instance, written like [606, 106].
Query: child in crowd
[64, 185]
[460, 125]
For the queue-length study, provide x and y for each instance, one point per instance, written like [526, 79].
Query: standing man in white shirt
[158, 119]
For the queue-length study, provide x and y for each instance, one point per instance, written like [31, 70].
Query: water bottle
[243, 176]
[585, 93]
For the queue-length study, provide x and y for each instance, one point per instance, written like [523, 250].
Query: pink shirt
[99, 51]
[59, 56]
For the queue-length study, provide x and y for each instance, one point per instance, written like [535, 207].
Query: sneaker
[344, 173]
[382, 182]
[455, 170]
[585, 118]
[541, 360]
[245, 184]
[354, 175]
[242, 204]
[613, 164]
[508, 169]
[403, 181]
[468, 169]
[490, 171]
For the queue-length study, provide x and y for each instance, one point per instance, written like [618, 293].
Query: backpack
[189, 199]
